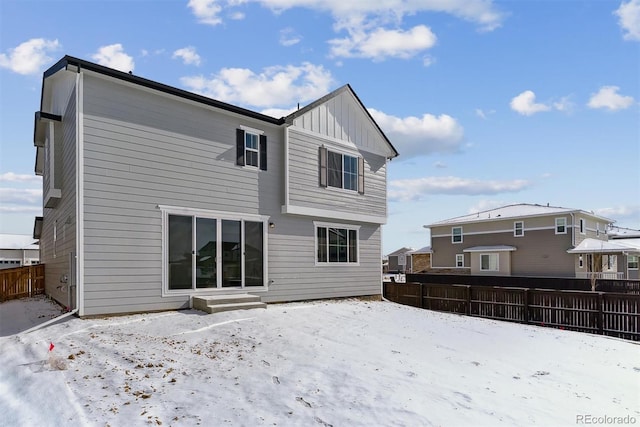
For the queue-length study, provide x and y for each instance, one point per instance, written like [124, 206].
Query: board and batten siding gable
[144, 149]
[56, 253]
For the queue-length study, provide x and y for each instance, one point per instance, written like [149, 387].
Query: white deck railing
[601, 275]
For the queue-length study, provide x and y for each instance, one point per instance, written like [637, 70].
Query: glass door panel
[180, 252]
[231, 253]
[206, 251]
[254, 254]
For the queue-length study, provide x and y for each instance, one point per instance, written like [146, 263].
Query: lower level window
[632, 262]
[205, 252]
[336, 244]
[489, 262]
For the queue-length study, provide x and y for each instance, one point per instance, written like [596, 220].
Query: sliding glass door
[205, 252]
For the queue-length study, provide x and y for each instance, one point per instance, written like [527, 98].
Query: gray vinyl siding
[294, 275]
[56, 256]
[142, 150]
[305, 190]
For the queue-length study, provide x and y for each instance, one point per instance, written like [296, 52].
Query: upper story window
[561, 225]
[598, 229]
[340, 170]
[518, 228]
[251, 148]
[583, 228]
[456, 235]
[336, 244]
[632, 262]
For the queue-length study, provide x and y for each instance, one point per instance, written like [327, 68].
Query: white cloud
[278, 112]
[10, 196]
[277, 86]
[380, 43]
[415, 136]
[525, 104]
[621, 212]
[405, 190]
[15, 177]
[29, 57]
[289, 37]
[207, 11]
[629, 19]
[440, 165]
[188, 55]
[608, 97]
[113, 56]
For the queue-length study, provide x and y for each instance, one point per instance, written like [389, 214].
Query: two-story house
[528, 240]
[153, 195]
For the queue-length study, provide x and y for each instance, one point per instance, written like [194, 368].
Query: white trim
[251, 130]
[461, 256]
[327, 225]
[510, 231]
[80, 193]
[206, 213]
[565, 225]
[453, 235]
[286, 166]
[333, 214]
[515, 229]
[497, 255]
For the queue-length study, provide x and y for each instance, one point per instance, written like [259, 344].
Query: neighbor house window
[251, 148]
[597, 229]
[580, 262]
[561, 225]
[518, 228]
[459, 260]
[582, 226]
[336, 244]
[456, 235]
[489, 262]
[340, 170]
[632, 262]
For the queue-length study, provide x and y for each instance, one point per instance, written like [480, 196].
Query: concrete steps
[219, 303]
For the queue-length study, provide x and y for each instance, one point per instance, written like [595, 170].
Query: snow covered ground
[339, 363]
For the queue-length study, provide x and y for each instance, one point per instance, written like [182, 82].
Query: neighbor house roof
[522, 210]
[603, 246]
[623, 233]
[425, 250]
[400, 251]
[17, 241]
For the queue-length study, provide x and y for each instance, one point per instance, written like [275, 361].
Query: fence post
[468, 296]
[600, 320]
[421, 295]
[526, 305]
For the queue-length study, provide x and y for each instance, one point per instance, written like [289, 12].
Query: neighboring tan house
[421, 260]
[528, 240]
[399, 261]
[17, 250]
[153, 195]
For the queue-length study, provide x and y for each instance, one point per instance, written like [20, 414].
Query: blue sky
[488, 102]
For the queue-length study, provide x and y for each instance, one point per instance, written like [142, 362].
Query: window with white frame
[489, 262]
[340, 170]
[518, 228]
[251, 148]
[456, 235]
[580, 262]
[459, 260]
[632, 262]
[583, 228]
[598, 229]
[336, 244]
[561, 225]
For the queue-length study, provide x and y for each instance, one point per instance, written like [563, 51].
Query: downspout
[79, 253]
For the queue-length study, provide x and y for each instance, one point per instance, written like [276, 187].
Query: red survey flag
[51, 346]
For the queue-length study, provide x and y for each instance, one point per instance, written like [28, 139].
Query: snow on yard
[339, 363]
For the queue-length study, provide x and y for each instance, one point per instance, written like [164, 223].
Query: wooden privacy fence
[604, 313]
[21, 282]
